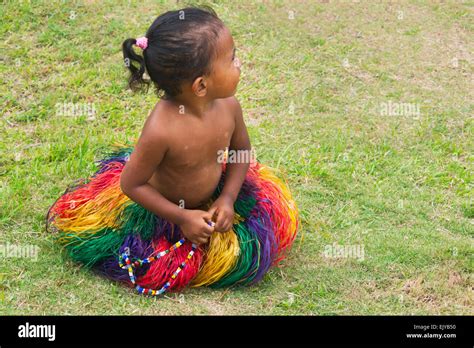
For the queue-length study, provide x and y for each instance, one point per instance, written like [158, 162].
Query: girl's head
[192, 46]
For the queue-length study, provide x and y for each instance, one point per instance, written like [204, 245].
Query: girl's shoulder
[160, 120]
[232, 105]
[163, 112]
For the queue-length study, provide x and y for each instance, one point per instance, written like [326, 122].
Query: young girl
[167, 212]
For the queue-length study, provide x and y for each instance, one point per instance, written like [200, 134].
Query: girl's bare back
[189, 171]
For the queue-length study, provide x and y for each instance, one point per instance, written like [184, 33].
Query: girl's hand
[196, 226]
[222, 212]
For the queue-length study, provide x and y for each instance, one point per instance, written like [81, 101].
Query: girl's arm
[223, 207]
[236, 172]
[144, 160]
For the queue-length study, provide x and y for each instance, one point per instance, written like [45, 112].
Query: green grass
[311, 90]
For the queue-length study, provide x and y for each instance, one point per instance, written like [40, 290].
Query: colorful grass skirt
[100, 227]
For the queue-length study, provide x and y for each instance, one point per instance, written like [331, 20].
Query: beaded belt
[126, 263]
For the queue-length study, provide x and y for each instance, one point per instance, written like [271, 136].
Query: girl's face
[226, 67]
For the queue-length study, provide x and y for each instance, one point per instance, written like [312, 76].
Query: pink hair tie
[142, 42]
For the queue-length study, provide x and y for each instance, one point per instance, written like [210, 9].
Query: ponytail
[130, 58]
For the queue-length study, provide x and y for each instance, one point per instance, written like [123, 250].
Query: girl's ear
[199, 86]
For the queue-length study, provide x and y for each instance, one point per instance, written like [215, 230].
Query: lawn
[366, 109]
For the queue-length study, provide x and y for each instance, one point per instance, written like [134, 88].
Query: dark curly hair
[181, 46]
